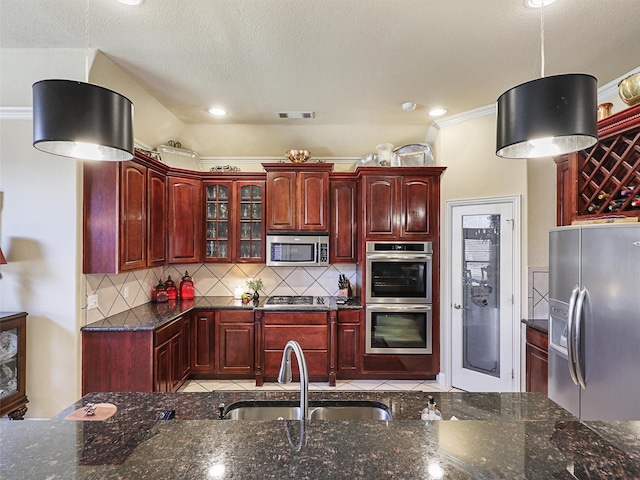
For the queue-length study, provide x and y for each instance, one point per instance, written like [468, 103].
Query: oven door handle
[396, 308]
[398, 256]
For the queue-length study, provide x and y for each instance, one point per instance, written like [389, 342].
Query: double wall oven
[398, 297]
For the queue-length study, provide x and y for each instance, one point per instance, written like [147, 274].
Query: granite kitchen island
[506, 435]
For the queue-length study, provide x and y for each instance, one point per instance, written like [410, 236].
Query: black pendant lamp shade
[549, 116]
[81, 120]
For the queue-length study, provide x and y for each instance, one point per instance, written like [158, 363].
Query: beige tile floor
[341, 385]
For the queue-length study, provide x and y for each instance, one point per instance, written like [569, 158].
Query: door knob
[457, 306]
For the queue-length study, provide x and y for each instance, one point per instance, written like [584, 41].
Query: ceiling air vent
[295, 115]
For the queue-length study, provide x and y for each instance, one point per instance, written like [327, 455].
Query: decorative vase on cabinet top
[629, 89]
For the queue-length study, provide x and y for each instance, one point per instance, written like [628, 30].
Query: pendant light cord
[541, 38]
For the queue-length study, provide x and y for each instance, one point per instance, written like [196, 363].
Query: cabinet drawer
[295, 318]
[538, 339]
[317, 362]
[236, 316]
[349, 316]
[165, 333]
[309, 337]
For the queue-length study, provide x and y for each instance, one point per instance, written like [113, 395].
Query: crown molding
[16, 113]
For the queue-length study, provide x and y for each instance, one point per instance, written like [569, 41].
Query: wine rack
[605, 179]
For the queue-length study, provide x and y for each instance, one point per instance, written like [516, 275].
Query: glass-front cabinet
[234, 221]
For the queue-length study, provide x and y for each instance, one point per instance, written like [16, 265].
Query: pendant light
[549, 116]
[82, 120]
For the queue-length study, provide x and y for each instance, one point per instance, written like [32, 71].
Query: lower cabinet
[203, 344]
[171, 365]
[348, 343]
[314, 331]
[235, 339]
[136, 360]
[537, 361]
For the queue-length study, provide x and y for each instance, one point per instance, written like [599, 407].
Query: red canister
[159, 294]
[187, 290]
[172, 290]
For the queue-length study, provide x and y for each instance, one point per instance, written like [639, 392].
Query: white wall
[39, 224]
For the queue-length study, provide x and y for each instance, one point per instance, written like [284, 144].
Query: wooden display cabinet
[234, 226]
[298, 197]
[13, 363]
[604, 179]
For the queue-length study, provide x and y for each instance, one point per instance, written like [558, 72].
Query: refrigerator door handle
[578, 338]
[571, 333]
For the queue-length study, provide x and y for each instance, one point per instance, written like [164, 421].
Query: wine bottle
[604, 195]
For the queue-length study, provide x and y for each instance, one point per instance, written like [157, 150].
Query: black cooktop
[296, 301]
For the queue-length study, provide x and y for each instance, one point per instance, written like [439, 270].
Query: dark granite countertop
[541, 325]
[154, 315]
[510, 436]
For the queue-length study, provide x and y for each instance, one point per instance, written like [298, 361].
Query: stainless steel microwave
[295, 250]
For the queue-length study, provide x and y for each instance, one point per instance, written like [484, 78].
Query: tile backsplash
[538, 293]
[117, 293]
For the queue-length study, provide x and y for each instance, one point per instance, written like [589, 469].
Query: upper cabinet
[297, 197]
[343, 228]
[124, 218]
[234, 230]
[604, 179]
[400, 203]
[185, 220]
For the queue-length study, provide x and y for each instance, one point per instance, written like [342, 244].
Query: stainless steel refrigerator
[594, 320]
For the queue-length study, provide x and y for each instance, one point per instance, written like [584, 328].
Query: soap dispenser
[431, 412]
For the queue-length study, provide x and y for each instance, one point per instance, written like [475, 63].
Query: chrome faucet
[285, 374]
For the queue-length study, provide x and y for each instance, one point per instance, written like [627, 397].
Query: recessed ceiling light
[218, 112]
[408, 106]
[537, 3]
[133, 3]
[437, 112]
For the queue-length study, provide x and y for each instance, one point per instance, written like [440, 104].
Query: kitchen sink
[318, 410]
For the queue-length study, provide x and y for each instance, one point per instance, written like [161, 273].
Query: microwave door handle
[570, 333]
[578, 339]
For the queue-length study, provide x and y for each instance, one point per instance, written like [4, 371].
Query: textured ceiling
[349, 61]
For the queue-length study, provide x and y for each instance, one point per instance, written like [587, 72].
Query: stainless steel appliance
[398, 292]
[294, 250]
[398, 329]
[594, 321]
[287, 302]
[398, 272]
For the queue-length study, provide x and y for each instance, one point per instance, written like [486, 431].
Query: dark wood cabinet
[537, 363]
[185, 220]
[124, 219]
[402, 203]
[136, 360]
[235, 343]
[314, 331]
[203, 343]
[13, 336]
[348, 343]
[343, 228]
[604, 179]
[234, 226]
[297, 197]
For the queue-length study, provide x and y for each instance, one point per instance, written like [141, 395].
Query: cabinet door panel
[235, 348]
[133, 216]
[343, 227]
[202, 333]
[317, 362]
[348, 347]
[415, 205]
[312, 205]
[282, 201]
[162, 368]
[157, 219]
[184, 220]
[381, 207]
[309, 337]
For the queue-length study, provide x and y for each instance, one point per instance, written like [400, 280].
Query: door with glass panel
[483, 284]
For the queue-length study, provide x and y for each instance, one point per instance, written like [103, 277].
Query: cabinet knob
[457, 306]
